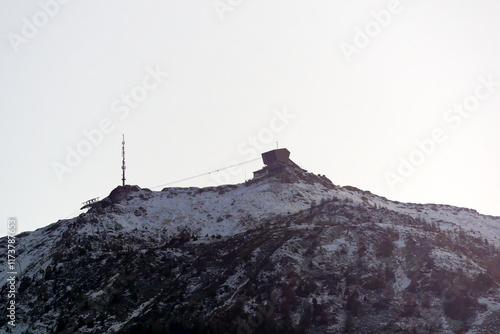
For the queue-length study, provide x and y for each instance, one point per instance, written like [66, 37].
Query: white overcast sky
[241, 76]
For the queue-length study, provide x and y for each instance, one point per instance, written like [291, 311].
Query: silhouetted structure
[89, 203]
[274, 156]
[123, 162]
[276, 161]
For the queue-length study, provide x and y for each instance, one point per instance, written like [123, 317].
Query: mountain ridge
[292, 249]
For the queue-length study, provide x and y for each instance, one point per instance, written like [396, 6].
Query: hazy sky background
[233, 66]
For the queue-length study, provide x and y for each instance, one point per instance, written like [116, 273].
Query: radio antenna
[123, 163]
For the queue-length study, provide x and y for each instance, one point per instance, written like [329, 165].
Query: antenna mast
[123, 163]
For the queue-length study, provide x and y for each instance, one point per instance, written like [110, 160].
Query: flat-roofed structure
[274, 156]
[276, 161]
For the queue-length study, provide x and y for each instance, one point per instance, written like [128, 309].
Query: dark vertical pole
[123, 164]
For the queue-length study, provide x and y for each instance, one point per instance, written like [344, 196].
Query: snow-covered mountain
[287, 252]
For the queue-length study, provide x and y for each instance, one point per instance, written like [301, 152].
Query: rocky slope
[289, 253]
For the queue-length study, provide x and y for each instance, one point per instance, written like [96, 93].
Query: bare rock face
[289, 253]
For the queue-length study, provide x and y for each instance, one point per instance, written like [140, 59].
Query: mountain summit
[285, 252]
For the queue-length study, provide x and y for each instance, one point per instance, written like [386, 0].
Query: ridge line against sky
[400, 98]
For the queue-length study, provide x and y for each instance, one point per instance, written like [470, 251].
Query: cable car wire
[208, 173]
